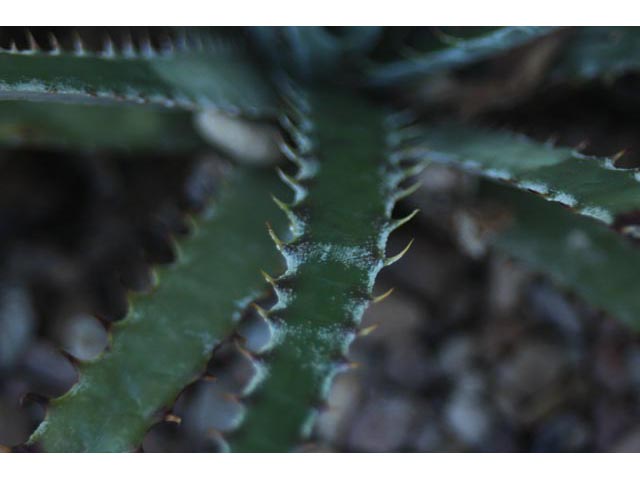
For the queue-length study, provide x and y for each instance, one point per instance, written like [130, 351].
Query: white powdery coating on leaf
[564, 198]
[598, 213]
[537, 187]
[359, 257]
[498, 174]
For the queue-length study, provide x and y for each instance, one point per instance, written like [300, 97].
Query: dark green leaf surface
[453, 54]
[345, 191]
[577, 252]
[168, 336]
[597, 52]
[591, 186]
[219, 76]
[85, 127]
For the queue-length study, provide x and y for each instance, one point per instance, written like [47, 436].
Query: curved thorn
[415, 169]
[282, 205]
[171, 418]
[395, 224]
[395, 258]
[270, 280]
[367, 330]
[261, 311]
[146, 48]
[287, 151]
[279, 243]
[618, 155]
[55, 45]
[128, 49]
[299, 191]
[33, 45]
[108, 50]
[78, 44]
[380, 298]
[407, 191]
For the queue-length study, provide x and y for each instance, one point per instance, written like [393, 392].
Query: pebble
[17, 324]
[565, 432]
[382, 424]
[341, 404]
[530, 381]
[457, 354]
[467, 412]
[246, 141]
[83, 336]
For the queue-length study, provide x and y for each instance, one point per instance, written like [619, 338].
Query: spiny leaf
[114, 127]
[166, 339]
[453, 54]
[576, 252]
[591, 186]
[599, 52]
[345, 192]
[314, 51]
[211, 75]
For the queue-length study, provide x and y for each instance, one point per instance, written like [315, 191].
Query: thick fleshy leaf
[168, 336]
[345, 190]
[454, 53]
[590, 186]
[599, 52]
[194, 73]
[577, 252]
[90, 127]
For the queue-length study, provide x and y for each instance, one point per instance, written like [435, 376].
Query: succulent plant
[326, 130]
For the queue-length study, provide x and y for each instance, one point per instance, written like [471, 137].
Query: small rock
[341, 404]
[209, 408]
[552, 308]
[530, 382]
[246, 141]
[82, 336]
[50, 373]
[562, 433]
[467, 413]
[382, 425]
[457, 354]
[17, 324]
[408, 363]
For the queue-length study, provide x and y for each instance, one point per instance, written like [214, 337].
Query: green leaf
[576, 252]
[597, 52]
[90, 127]
[590, 186]
[345, 189]
[191, 76]
[453, 54]
[168, 336]
[314, 51]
